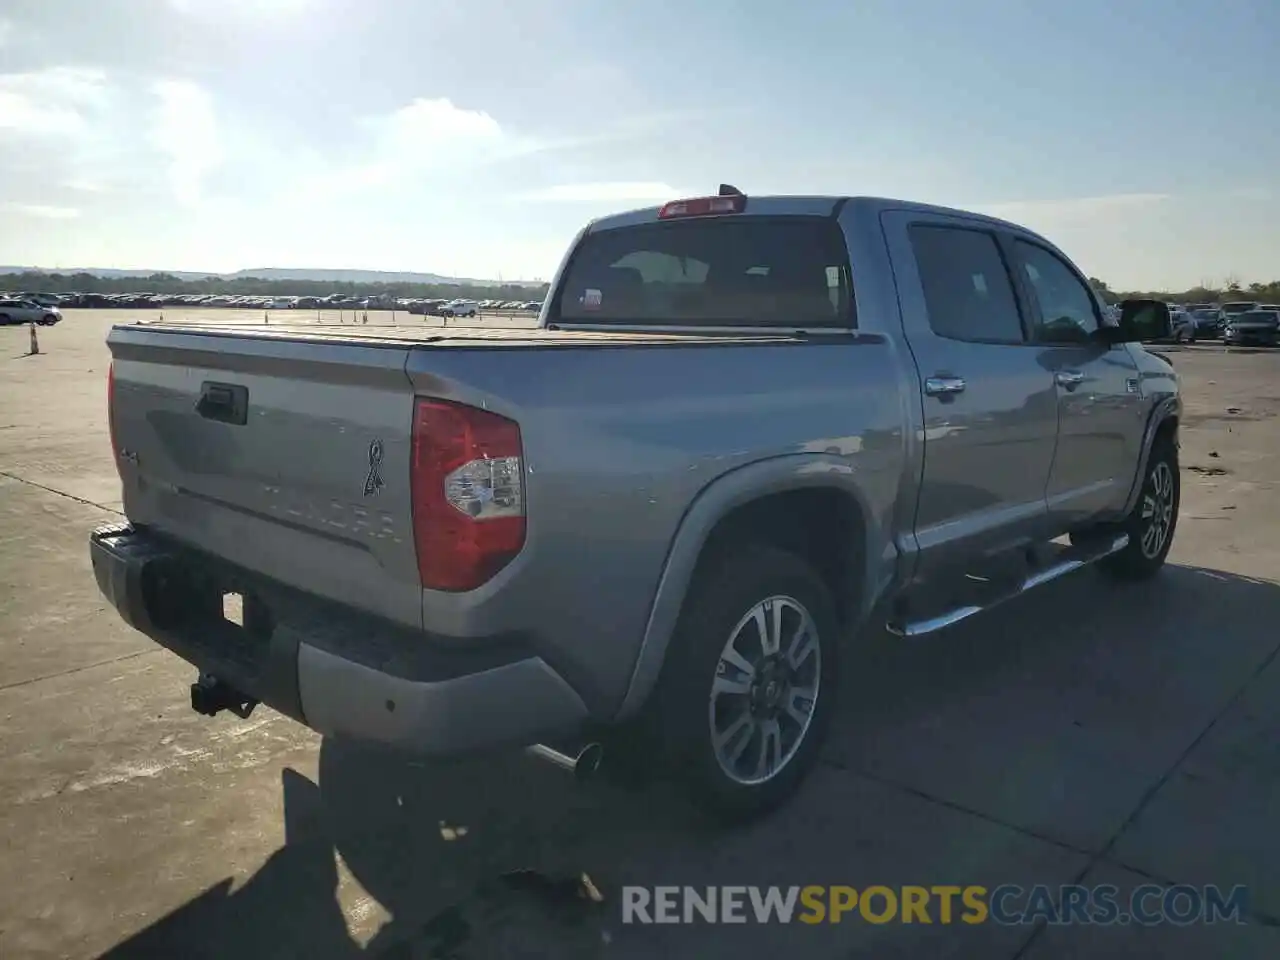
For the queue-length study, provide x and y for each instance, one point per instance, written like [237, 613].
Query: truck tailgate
[286, 457]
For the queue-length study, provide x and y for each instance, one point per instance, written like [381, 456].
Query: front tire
[747, 691]
[1154, 519]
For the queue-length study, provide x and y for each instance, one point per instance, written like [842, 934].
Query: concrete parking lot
[1086, 733]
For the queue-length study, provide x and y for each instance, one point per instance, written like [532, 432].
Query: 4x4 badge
[373, 482]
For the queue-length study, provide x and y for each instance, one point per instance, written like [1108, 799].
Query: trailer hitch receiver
[210, 696]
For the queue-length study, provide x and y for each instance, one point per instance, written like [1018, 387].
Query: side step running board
[1075, 559]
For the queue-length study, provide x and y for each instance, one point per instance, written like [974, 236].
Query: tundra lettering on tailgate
[349, 517]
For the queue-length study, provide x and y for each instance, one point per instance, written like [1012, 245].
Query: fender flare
[1166, 408]
[713, 502]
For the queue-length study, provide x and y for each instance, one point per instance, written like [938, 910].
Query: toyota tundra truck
[743, 430]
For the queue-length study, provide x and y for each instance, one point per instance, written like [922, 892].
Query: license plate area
[209, 609]
[233, 608]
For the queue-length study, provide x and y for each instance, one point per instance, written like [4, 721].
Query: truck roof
[810, 205]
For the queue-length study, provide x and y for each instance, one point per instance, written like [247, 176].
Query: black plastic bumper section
[175, 602]
[174, 594]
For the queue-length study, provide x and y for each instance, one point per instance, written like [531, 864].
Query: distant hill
[281, 273]
[106, 272]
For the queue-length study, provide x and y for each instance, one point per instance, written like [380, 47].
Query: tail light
[111, 415]
[703, 207]
[467, 484]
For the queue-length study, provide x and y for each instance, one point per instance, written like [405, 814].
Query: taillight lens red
[467, 483]
[111, 414]
[702, 207]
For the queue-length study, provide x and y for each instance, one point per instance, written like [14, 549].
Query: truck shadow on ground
[449, 851]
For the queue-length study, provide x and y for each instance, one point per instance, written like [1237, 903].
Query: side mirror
[1142, 321]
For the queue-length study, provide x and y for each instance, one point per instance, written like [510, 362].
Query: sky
[474, 137]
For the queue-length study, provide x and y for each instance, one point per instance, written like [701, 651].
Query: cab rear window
[735, 271]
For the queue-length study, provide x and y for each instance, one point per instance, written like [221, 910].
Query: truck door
[990, 404]
[1101, 413]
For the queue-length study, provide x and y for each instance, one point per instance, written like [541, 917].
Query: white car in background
[460, 308]
[15, 310]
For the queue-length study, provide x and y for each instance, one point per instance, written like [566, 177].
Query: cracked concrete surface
[1084, 733]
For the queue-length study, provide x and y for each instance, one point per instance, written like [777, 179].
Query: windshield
[722, 271]
[1239, 307]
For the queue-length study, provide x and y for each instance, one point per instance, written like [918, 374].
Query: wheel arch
[751, 500]
[1162, 422]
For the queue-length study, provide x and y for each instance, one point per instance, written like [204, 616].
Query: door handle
[944, 386]
[1069, 379]
[224, 402]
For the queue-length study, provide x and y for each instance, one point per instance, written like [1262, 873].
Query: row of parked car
[466, 308]
[51, 302]
[1241, 322]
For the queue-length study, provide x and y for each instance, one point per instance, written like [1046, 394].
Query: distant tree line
[32, 282]
[1229, 289]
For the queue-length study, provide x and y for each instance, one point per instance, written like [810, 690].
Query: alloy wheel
[1157, 510]
[766, 687]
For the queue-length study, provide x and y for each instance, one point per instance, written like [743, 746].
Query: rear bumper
[339, 671]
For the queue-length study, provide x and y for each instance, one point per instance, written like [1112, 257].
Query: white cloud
[622, 191]
[426, 136]
[42, 212]
[50, 102]
[185, 129]
[436, 126]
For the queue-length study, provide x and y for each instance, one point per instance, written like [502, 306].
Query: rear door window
[967, 290]
[737, 271]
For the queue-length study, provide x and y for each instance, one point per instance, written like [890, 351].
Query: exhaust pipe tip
[588, 763]
[583, 766]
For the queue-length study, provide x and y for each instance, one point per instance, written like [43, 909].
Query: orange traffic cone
[35, 341]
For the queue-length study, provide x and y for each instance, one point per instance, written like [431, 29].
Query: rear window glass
[723, 271]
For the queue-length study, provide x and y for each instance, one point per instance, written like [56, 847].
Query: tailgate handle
[224, 402]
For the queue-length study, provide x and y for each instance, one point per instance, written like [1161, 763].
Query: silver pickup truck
[744, 428]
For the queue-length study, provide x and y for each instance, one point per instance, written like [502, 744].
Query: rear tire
[1154, 519]
[740, 719]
